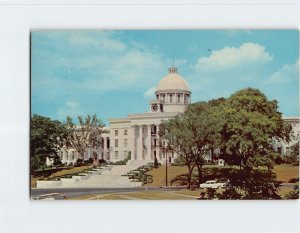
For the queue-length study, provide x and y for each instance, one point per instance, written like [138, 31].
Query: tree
[252, 124]
[47, 137]
[85, 135]
[191, 135]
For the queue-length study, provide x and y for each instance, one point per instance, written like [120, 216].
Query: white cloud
[70, 108]
[95, 61]
[233, 57]
[286, 74]
[102, 39]
[150, 93]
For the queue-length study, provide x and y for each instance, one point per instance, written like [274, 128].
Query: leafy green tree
[252, 124]
[192, 135]
[47, 137]
[85, 135]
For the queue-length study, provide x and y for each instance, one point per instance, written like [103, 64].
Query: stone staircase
[107, 177]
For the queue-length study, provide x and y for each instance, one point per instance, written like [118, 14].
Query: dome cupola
[172, 92]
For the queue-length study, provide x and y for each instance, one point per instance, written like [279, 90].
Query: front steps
[108, 177]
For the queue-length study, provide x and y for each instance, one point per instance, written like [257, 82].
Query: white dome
[172, 81]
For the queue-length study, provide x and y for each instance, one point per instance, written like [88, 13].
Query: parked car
[214, 184]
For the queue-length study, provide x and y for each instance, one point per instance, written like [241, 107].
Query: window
[125, 132]
[178, 98]
[73, 155]
[154, 142]
[125, 142]
[287, 150]
[67, 154]
[171, 98]
[116, 132]
[153, 129]
[164, 98]
[157, 97]
[116, 154]
[116, 142]
[107, 143]
[186, 99]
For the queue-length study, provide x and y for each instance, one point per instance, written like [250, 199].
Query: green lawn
[284, 173]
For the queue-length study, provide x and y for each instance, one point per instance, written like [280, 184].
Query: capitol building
[136, 135]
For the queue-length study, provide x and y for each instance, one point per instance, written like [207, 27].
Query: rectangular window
[171, 98]
[125, 142]
[287, 151]
[185, 99]
[116, 154]
[125, 132]
[178, 98]
[116, 132]
[116, 142]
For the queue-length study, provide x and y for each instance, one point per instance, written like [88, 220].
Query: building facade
[137, 134]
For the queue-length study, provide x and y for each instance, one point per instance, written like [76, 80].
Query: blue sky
[114, 73]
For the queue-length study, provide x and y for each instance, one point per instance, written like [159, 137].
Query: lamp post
[166, 167]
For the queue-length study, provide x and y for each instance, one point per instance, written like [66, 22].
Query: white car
[213, 184]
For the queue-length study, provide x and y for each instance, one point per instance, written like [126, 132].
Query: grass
[69, 171]
[284, 173]
[159, 174]
[284, 191]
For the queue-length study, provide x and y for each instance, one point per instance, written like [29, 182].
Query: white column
[139, 143]
[148, 142]
[157, 142]
[132, 142]
[104, 149]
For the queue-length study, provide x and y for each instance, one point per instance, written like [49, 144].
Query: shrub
[102, 161]
[155, 162]
[78, 163]
[279, 160]
[294, 180]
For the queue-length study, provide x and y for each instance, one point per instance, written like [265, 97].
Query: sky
[115, 73]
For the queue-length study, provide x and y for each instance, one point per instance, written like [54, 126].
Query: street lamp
[166, 167]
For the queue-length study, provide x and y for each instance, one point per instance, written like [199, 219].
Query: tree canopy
[251, 126]
[85, 135]
[243, 127]
[47, 138]
[193, 134]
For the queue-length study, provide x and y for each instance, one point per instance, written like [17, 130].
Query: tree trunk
[199, 167]
[189, 177]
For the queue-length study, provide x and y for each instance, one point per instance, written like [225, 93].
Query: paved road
[76, 192]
